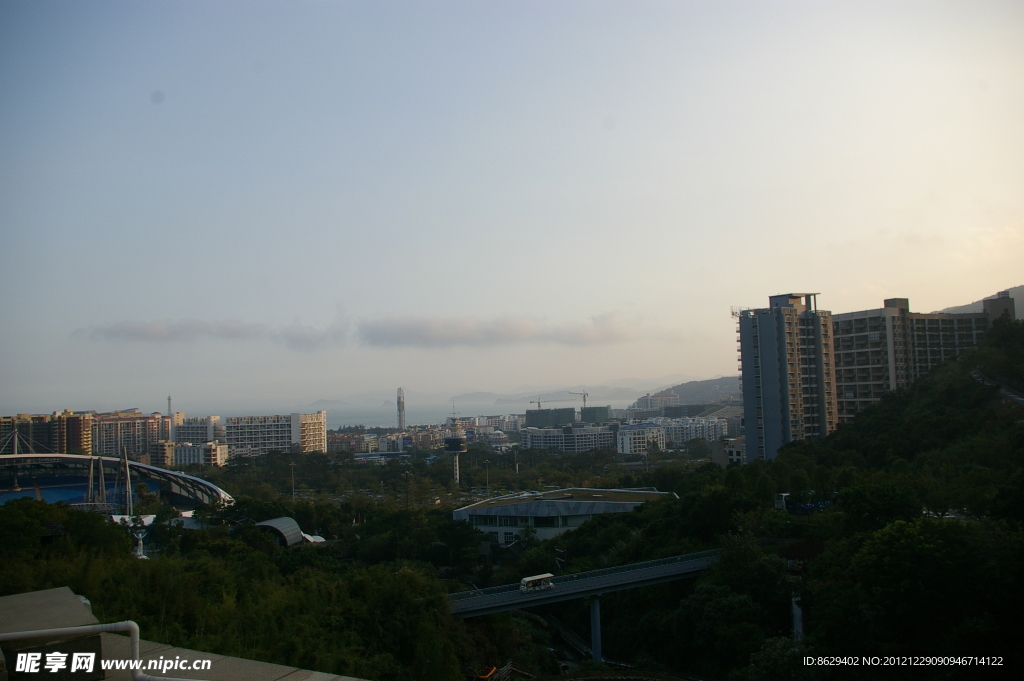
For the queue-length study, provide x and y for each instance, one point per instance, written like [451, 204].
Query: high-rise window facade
[257, 435]
[788, 375]
[891, 347]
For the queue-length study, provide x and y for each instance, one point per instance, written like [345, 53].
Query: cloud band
[391, 332]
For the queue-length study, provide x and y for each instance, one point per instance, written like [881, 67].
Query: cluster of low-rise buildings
[564, 430]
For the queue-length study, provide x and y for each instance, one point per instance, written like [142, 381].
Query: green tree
[872, 506]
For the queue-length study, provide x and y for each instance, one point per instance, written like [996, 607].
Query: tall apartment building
[63, 432]
[199, 429]
[131, 430]
[889, 348]
[256, 435]
[788, 374]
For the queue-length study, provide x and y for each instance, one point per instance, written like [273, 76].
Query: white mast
[401, 409]
[88, 493]
[128, 506]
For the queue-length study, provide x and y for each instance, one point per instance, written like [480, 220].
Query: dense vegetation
[917, 552]
[240, 595]
[411, 483]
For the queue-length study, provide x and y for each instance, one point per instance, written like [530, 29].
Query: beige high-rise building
[63, 432]
[128, 430]
[889, 348]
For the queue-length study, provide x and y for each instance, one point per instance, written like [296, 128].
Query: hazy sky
[257, 205]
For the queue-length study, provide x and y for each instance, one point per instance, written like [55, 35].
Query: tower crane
[584, 394]
[537, 402]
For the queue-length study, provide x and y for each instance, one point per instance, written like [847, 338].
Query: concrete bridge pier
[595, 626]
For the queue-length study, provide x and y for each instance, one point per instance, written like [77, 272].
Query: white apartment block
[257, 435]
[206, 453]
[694, 428]
[198, 429]
[507, 424]
[391, 443]
[635, 438]
[568, 439]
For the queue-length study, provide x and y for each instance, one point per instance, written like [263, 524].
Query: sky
[254, 205]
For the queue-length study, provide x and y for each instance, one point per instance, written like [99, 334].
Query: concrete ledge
[57, 608]
[222, 667]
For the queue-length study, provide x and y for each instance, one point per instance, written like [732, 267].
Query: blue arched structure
[66, 477]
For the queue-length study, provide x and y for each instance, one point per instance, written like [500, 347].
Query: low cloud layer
[294, 336]
[421, 332]
[441, 332]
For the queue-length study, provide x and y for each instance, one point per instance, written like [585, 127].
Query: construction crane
[584, 393]
[537, 402]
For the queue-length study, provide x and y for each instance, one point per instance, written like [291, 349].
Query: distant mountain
[377, 407]
[327, 404]
[1017, 293]
[475, 398]
[648, 384]
[712, 390]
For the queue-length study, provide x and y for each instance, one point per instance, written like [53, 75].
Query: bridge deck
[580, 584]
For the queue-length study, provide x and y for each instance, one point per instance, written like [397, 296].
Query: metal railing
[129, 626]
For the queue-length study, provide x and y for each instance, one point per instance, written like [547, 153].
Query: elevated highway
[579, 585]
